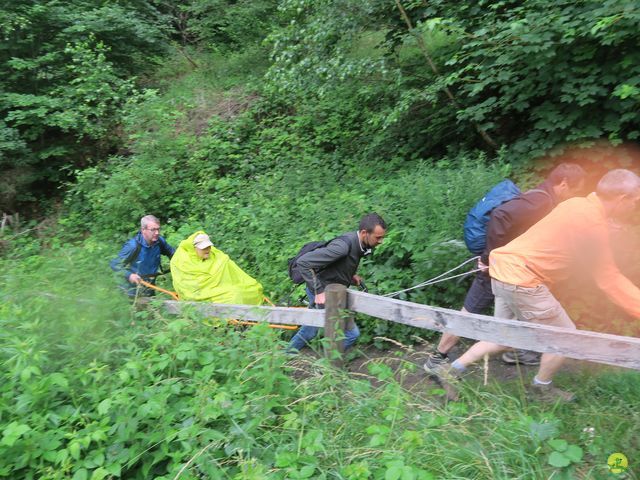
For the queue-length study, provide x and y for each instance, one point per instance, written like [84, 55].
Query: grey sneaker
[434, 361]
[549, 394]
[523, 357]
[448, 378]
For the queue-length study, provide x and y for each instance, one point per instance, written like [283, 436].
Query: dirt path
[406, 363]
[414, 378]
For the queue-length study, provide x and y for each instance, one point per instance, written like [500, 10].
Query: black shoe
[523, 357]
[435, 361]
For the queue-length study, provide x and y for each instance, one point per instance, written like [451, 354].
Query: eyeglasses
[152, 229]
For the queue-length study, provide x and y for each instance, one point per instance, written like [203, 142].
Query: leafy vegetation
[270, 124]
[530, 75]
[67, 71]
[93, 390]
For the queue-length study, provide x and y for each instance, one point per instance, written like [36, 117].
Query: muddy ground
[406, 362]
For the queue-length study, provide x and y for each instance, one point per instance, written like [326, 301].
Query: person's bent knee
[308, 333]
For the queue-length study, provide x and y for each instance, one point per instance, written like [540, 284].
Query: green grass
[214, 70]
[94, 389]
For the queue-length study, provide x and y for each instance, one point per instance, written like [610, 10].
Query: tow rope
[438, 278]
[174, 295]
[432, 281]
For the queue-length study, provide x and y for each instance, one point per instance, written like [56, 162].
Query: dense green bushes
[91, 389]
[538, 74]
[262, 187]
[349, 78]
[222, 25]
[532, 75]
[66, 71]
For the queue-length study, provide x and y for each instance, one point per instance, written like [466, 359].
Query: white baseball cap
[202, 241]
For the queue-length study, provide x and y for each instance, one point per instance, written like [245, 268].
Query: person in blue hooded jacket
[139, 258]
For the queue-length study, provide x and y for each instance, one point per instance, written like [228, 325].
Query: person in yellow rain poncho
[203, 273]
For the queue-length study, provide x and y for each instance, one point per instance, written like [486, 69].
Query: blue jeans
[308, 333]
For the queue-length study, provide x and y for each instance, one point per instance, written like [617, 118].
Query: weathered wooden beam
[277, 315]
[335, 303]
[579, 344]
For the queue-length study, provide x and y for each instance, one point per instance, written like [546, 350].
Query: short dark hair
[369, 222]
[571, 172]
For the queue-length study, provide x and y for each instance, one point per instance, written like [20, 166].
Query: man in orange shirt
[509, 221]
[573, 235]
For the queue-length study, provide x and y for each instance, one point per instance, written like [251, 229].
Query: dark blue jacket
[513, 218]
[147, 262]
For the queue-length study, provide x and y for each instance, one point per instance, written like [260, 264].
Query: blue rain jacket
[147, 261]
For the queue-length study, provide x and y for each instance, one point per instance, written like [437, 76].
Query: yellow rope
[271, 325]
[174, 295]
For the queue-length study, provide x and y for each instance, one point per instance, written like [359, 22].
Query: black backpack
[294, 270]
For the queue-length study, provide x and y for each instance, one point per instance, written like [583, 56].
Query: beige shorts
[529, 304]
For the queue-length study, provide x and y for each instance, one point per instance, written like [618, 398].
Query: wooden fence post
[335, 320]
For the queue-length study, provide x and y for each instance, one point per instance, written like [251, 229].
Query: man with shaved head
[573, 239]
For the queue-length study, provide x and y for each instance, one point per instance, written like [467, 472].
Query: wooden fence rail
[579, 344]
[341, 302]
[279, 315]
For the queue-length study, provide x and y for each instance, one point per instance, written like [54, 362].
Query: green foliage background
[270, 124]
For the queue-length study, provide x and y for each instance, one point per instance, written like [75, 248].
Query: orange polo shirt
[572, 239]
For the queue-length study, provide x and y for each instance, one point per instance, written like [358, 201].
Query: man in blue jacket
[139, 258]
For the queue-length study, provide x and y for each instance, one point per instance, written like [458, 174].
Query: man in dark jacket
[337, 262]
[507, 222]
[139, 258]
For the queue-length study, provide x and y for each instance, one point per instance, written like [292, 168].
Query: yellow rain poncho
[217, 279]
